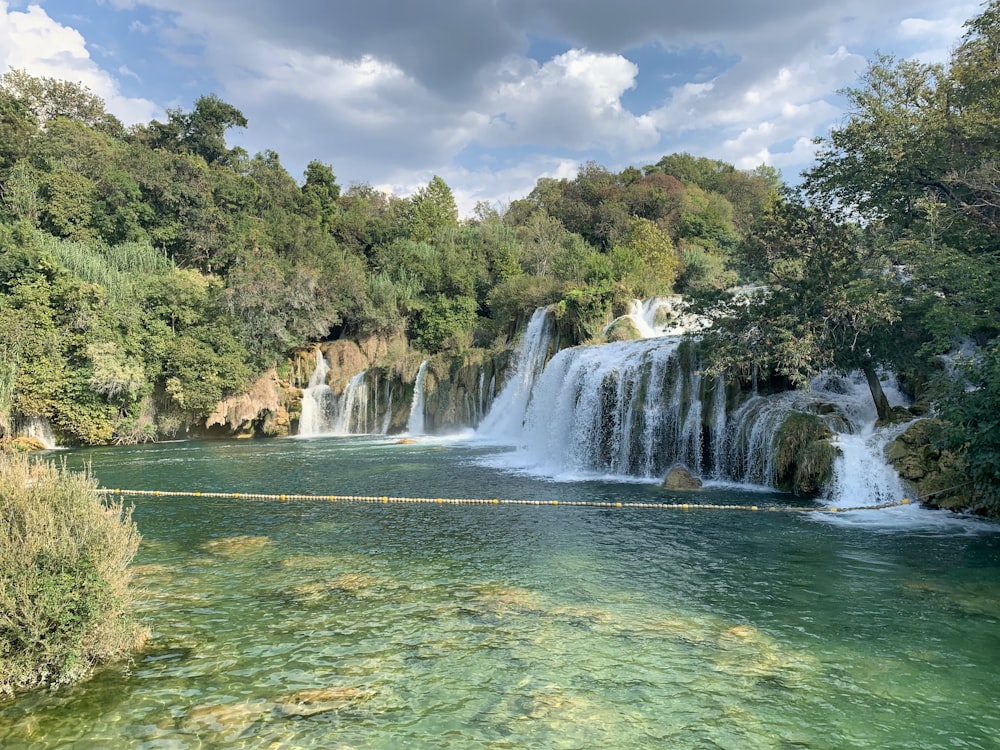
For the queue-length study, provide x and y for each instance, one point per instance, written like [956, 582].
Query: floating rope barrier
[497, 501]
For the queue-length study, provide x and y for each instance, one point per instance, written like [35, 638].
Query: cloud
[393, 91]
[573, 100]
[35, 42]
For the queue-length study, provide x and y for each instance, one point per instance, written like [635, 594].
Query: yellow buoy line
[495, 501]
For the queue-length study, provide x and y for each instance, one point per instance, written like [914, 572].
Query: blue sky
[488, 94]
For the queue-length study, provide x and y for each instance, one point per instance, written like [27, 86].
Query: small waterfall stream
[317, 399]
[506, 418]
[324, 413]
[415, 425]
[39, 428]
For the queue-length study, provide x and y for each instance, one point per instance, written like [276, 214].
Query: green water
[325, 625]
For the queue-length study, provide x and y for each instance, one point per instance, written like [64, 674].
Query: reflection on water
[326, 625]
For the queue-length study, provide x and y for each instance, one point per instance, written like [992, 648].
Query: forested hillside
[148, 272]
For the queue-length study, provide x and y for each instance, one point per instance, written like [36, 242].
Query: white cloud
[573, 100]
[35, 42]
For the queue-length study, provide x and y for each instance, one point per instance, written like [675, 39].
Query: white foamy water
[415, 425]
[659, 316]
[316, 399]
[505, 420]
[40, 429]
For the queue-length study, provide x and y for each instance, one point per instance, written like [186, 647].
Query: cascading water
[317, 399]
[622, 408]
[324, 413]
[350, 413]
[39, 428]
[415, 425]
[506, 417]
[659, 316]
[635, 408]
[861, 475]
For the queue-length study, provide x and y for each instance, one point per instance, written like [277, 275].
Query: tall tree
[826, 302]
[432, 208]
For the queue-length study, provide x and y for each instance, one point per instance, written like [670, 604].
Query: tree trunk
[878, 395]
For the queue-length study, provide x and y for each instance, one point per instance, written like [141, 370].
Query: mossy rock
[937, 476]
[622, 329]
[22, 444]
[805, 456]
[814, 467]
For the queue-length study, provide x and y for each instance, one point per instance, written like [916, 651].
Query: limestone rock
[263, 405]
[679, 478]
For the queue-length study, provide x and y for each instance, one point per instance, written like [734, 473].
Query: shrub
[65, 596]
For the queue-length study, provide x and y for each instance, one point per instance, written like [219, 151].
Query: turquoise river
[317, 624]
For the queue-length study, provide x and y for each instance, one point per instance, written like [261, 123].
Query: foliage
[65, 596]
[971, 406]
[445, 323]
[826, 301]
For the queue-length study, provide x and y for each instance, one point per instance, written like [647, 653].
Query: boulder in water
[805, 454]
[679, 478]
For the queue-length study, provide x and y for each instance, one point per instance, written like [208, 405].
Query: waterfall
[636, 408]
[387, 417]
[351, 413]
[39, 428]
[317, 399]
[506, 417]
[719, 427]
[415, 425]
[481, 394]
[861, 475]
[621, 408]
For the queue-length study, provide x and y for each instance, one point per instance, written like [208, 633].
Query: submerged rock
[235, 545]
[320, 700]
[679, 478]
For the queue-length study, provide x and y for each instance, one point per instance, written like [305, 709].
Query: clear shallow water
[325, 625]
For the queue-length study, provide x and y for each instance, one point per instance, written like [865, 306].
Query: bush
[65, 596]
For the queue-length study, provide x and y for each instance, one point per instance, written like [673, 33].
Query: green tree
[49, 99]
[972, 405]
[827, 302]
[201, 131]
[320, 192]
[431, 209]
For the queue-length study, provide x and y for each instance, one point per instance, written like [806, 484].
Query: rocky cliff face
[267, 409]
[458, 390]
[935, 475]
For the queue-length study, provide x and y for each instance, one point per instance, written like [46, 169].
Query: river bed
[316, 624]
